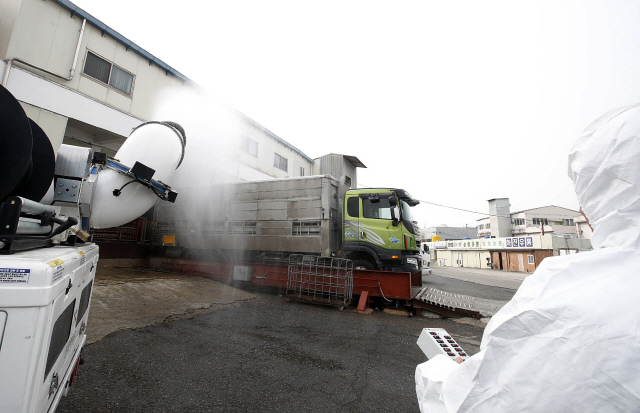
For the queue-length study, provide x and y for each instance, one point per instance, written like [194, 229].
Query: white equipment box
[44, 306]
[434, 341]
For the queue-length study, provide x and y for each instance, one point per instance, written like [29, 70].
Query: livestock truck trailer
[312, 236]
[267, 221]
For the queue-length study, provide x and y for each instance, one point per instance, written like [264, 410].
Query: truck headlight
[413, 261]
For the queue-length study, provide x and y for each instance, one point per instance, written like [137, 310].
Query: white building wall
[9, 10]
[51, 123]
[54, 97]
[522, 222]
[53, 47]
[268, 147]
[84, 109]
[444, 258]
[555, 216]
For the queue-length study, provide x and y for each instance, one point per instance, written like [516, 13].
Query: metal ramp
[446, 304]
[324, 280]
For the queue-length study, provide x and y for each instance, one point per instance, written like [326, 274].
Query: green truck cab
[378, 230]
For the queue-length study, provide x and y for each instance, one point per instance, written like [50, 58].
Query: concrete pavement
[229, 350]
[496, 278]
[129, 298]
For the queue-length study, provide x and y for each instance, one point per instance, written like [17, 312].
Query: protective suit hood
[606, 175]
[569, 339]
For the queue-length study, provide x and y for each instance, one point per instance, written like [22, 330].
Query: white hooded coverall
[569, 340]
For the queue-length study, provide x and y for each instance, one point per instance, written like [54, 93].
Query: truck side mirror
[395, 215]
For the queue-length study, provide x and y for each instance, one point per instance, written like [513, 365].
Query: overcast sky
[456, 102]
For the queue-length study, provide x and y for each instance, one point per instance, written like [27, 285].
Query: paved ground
[128, 298]
[483, 285]
[248, 352]
[496, 278]
[470, 288]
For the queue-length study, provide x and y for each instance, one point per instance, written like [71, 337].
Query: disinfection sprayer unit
[48, 207]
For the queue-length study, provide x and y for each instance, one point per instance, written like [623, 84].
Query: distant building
[536, 221]
[519, 253]
[448, 233]
[499, 220]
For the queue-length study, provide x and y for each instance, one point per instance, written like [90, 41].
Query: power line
[450, 207]
[541, 223]
[465, 210]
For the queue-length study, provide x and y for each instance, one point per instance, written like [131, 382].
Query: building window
[531, 259]
[280, 162]
[518, 221]
[251, 147]
[301, 171]
[540, 221]
[108, 73]
[568, 222]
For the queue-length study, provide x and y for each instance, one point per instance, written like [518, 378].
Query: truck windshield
[406, 211]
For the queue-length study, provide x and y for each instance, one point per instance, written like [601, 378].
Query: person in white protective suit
[569, 340]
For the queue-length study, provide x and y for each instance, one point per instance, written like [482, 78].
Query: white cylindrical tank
[159, 146]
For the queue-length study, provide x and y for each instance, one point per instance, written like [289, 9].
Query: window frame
[279, 163]
[247, 147]
[531, 259]
[540, 221]
[122, 92]
[365, 210]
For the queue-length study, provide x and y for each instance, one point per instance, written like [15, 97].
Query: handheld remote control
[434, 341]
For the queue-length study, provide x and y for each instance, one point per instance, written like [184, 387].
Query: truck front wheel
[361, 264]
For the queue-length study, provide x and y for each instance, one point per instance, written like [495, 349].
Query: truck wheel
[363, 265]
